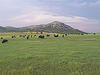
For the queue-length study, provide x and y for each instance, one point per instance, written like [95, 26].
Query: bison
[27, 37]
[48, 35]
[41, 36]
[34, 35]
[1, 37]
[82, 33]
[66, 34]
[56, 35]
[14, 36]
[62, 35]
[4, 41]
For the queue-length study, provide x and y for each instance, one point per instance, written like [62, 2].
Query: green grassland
[69, 55]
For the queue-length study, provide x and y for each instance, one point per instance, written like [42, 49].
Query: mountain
[53, 27]
[9, 29]
[2, 29]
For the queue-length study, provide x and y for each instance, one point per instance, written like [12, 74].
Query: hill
[53, 27]
[9, 29]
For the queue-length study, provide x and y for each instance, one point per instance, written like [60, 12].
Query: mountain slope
[54, 27]
[2, 29]
[8, 29]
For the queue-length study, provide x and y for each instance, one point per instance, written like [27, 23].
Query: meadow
[69, 55]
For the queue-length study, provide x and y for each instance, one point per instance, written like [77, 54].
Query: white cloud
[41, 17]
[20, 13]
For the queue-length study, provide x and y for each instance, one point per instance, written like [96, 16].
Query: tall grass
[69, 55]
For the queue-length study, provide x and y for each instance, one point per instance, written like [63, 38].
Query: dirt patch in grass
[90, 40]
[75, 40]
[82, 40]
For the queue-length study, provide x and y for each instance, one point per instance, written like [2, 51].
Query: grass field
[69, 55]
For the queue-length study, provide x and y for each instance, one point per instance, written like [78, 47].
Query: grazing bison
[23, 36]
[62, 35]
[4, 41]
[1, 37]
[41, 36]
[56, 35]
[41, 32]
[27, 37]
[48, 35]
[82, 33]
[66, 34]
[34, 35]
[14, 36]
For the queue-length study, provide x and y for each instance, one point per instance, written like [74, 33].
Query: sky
[80, 14]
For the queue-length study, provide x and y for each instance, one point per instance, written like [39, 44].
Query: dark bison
[62, 35]
[41, 36]
[4, 41]
[23, 36]
[27, 37]
[82, 33]
[66, 34]
[41, 32]
[1, 37]
[14, 36]
[56, 35]
[20, 35]
[48, 35]
[34, 35]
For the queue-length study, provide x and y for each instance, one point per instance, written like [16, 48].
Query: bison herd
[31, 36]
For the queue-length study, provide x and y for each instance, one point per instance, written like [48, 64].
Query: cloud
[42, 17]
[20, 13]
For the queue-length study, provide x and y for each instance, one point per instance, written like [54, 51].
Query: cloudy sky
[80, 14]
